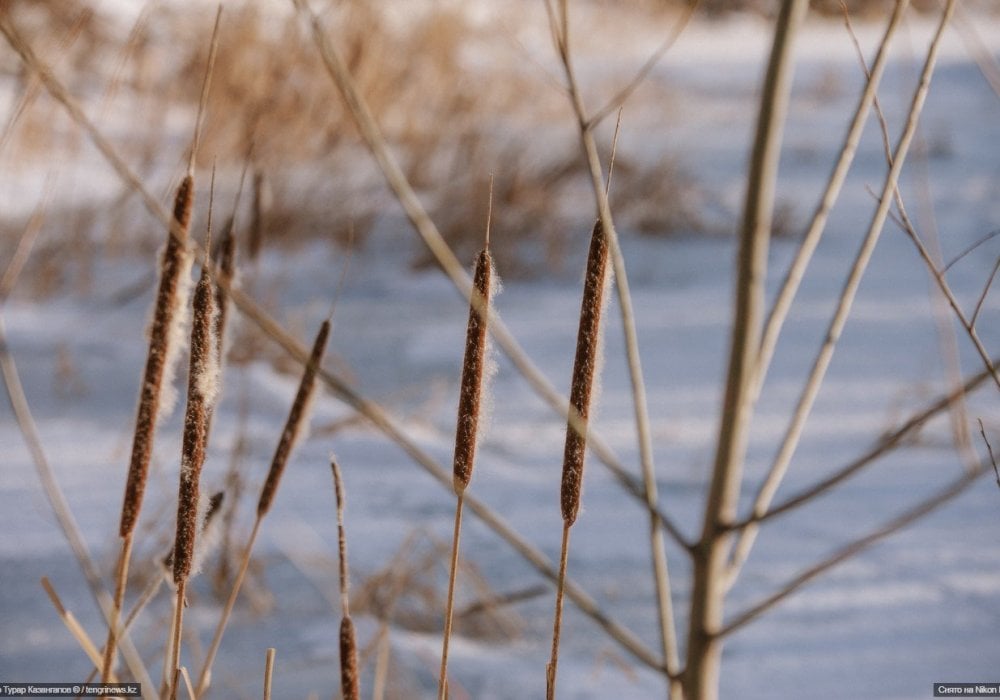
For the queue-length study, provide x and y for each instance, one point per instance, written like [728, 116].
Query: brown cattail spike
[226, 256]
[338, 487]
[584, 366]
[297, 417]
[472, 373]
[201, 389]
[173, 266]
[350, 684]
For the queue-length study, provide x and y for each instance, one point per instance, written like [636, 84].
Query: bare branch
[952, 490]
[885, 445]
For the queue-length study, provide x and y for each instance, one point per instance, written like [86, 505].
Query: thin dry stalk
[822, 362]
[701, 677]
[989, 449]
[268, 672]
[172, 668]
[74, 627]
[552, 667]
[799, 265]
[588, 342]
[298, 416]
[947, 335]
[466, 433]
[350, 681]
[451, 266]
[371, 410]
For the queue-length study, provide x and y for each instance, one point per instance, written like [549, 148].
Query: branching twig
[810, 391]
[989, 449]
[884, 446]
[908, 517]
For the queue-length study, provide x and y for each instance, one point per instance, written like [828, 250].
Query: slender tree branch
[810, 391]
[797, 268]
[955, 488]
[887, 444]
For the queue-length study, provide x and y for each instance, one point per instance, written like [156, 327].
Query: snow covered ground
[920, 607]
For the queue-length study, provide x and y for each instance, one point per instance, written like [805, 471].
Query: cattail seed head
[298, 416]
[202, 386]
[338, 487]
[164, 347]
[350, 682]
[473, 370]
[584, 366]
[226, 255]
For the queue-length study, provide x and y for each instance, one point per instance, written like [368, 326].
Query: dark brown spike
[171, 267]
[350, 682]
[584, 367]
[296, 419]
[195, 427]
[472, 373]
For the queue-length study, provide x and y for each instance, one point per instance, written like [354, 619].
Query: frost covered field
[920, 606]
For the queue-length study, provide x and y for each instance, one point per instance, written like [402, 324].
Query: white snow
[918, 608]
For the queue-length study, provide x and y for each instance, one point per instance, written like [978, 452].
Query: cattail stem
[450, 609]
[550, 670]
[174, 658]
[121, 578]
[588, 342]
[268, 672]
[466, 433]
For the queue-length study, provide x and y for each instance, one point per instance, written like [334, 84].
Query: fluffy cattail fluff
[164, 345]
[584, 366]
[298, 416]
[207, 538]
[202, 387]
[473, 370]
[349, 680]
